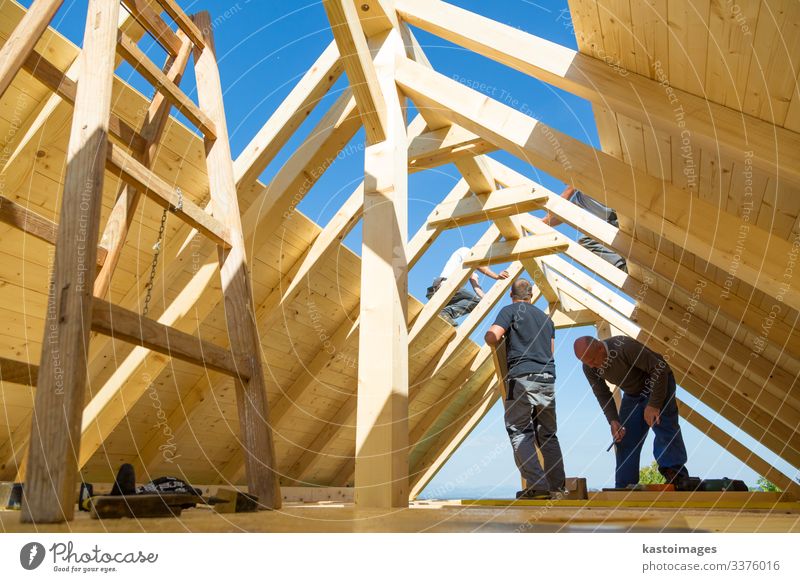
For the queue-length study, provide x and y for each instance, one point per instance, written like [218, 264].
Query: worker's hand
[503, 275]
[652, 415]
[617, 431]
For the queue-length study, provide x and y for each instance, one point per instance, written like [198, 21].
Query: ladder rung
[155, 25]
[120, 323]
[184, 22]
[18, 372]
[55, 80]
[148, 69]
[143, 179]
[35, 224]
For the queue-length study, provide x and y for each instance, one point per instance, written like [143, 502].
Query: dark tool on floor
[234, 501]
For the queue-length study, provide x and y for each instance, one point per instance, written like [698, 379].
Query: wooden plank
[480, 208]
[60, 83]
[148, 183]
[349, 36]
[121, 217]
[776, 150]
[449, 442]
[506, 251]
[381, 465]
[288, 116]
[251, 396]
[155, 25]
[60, 393]
[438, 147]
[145, 67]
[762, 263]
[738, 450]
[425, 236]
[128, 326]
[186, 24]
[18, 372]
[18, 216]
[25, 36]
[376, 16]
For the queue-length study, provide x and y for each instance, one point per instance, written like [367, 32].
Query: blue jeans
[463, 302]
[668, 448]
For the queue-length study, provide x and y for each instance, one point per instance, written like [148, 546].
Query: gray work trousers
[603, 252]
[531, 420]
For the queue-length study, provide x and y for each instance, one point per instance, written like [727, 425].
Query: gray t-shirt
[599, 210]
[634, 369]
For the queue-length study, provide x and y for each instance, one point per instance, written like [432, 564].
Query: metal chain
[154, 265]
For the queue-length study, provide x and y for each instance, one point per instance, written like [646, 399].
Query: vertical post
[55, 432]
[381, 465]
[251, 395]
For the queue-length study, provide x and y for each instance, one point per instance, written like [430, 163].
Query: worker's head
[521, 290]
[590, 351]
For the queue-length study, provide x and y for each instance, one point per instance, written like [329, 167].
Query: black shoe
[125, 483]
[530, 493]
[558, 494]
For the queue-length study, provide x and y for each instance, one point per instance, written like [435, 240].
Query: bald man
[648, 401]
[530, 403]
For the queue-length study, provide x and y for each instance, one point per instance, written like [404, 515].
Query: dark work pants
[530, 419]
[463, 302]
[603, 252]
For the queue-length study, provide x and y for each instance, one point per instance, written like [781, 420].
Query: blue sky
[264, 47]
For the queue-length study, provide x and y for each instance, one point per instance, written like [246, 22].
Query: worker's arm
[476, 286]
[489, 273]
[657, 377]
[494, 335]
[553, 220]
[603, 394]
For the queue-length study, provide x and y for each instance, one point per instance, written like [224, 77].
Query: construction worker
[648, 401]
[464, 301]
[530, 403]
[580, 199]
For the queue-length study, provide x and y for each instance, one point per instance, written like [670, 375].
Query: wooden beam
[52, 466]
[438, 147]
[424, 237]
[159, 190]
[34, 224]
[198, 298]
[186, 24]
[732, 393]
[119, 323]
[776, 150]
[516, 250]
[155, 25]
[119, 221]
[482, 207]
[567, 319]
[738, 450]
[24, 37]
[251, 396]
[636, 251]
[162, 83]
[58, 82]
[453, 283]
[382, 414]
[464, 331]
[449, 442]
[357, 58]
[630, 191]
[292, 111]
[432, 414]
[18, 372]
[376, 16]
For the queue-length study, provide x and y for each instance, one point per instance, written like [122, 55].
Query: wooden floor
[438, 517]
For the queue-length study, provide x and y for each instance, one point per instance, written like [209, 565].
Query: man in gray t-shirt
[601, 211]
[648, 401]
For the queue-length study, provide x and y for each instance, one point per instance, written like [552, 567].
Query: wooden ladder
[76, 306]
